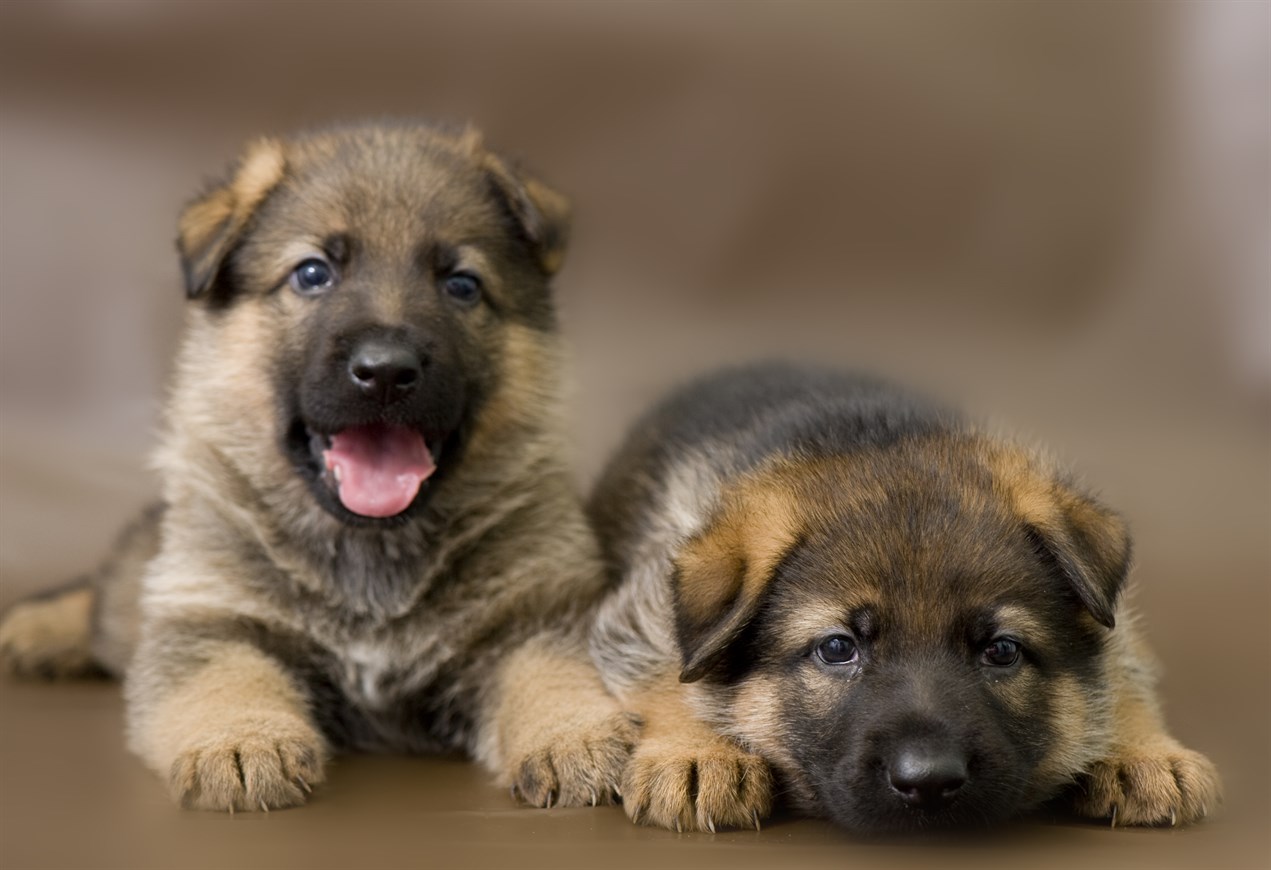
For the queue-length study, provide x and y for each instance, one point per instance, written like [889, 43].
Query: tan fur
[685, 776]
[527, 389]
[50, 637]
[553, 714]
[756, 717]
[1024, 624]
[234, 736]
[735, 557]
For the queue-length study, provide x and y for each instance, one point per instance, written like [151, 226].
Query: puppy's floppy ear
[210, 226]
[721, 575]
[1087, 541]
[542, 213]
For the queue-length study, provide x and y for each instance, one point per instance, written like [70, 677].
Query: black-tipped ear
[721, 575]
[1088, 542]
[542, 212]
[213, 223]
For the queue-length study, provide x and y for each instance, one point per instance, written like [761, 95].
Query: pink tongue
[379, 468]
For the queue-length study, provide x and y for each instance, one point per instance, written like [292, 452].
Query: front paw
[576, 765]
[1159, 784]
[696, 787]
[259, 764]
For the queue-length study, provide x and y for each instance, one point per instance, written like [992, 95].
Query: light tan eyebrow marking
[1014, 619]
[472, 258]
[814, 618]
[290, 255]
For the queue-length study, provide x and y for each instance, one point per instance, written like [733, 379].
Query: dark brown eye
[463, 287]
[837, 649]
[1001, 653]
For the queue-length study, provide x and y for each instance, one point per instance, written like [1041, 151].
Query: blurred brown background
[1057, 213]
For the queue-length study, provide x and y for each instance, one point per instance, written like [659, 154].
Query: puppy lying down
[832, 592]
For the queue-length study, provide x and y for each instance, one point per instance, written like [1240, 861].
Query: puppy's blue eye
[837, 649]
[463, 287]
[1001, 653]
[312, 276]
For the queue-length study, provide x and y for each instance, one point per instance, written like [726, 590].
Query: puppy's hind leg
[50, 635]
[88, 628]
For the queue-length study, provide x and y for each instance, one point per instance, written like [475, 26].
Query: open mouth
[374, 470]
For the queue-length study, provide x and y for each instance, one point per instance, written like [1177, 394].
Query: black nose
[387, 370]
[927, 775]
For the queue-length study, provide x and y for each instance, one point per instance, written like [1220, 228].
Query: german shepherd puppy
[368, 538]
[841, 594]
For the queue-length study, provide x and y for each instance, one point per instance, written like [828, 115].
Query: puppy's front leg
[683, 775]
[223, 721]
[1147, 777]
[551, 731]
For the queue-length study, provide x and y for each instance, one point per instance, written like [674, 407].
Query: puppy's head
[369, 304]
[914, 635]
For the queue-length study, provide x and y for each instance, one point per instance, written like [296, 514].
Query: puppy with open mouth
[832, 591]
[369, 537]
